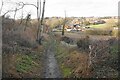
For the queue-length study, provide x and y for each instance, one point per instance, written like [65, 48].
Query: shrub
[22, 38]
[67, 40]
[83, 43]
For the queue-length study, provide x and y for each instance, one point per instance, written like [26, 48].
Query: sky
[76, 8]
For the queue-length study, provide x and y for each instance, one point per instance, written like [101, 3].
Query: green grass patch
[66, 71]
[25, 63]
[61, 52]
[114, 50]
[98, 26]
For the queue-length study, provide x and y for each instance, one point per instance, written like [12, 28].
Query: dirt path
[51, 68]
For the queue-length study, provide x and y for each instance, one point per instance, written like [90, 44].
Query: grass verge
[25, 63]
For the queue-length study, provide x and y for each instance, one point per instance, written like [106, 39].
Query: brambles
[19, 54]
[67, 40]
[83, 43]
[101, 58]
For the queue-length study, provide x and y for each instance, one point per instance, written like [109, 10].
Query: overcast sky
[75, 8]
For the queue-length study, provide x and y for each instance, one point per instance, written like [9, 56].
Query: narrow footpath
[51, 68]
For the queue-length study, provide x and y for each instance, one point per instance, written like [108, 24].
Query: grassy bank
[74, 62]
[23, 64]
[21, 53]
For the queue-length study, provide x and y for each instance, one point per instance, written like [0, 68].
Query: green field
[98, 26]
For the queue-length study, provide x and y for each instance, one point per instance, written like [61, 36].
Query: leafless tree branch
[23, 4]
[1, 7]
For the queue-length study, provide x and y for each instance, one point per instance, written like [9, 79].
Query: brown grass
[79, 63]
[16, 44]
[98, 32]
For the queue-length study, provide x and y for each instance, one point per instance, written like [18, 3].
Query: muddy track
[51, 68]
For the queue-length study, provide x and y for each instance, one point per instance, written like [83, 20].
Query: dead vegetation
[99, 61]
[21, 54]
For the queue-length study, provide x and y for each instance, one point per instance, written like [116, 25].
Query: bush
[22, 38]
[83, 43]
[67, 40]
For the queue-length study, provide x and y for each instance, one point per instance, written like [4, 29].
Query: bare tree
[98, 51]
[16, 9]
[64, 24]
[41, 24]
[21, 17]
[14, 16]
[1, 7]
[15, 13]
[42, 17]
[38, 17]
[40, 20]
[27, 20]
